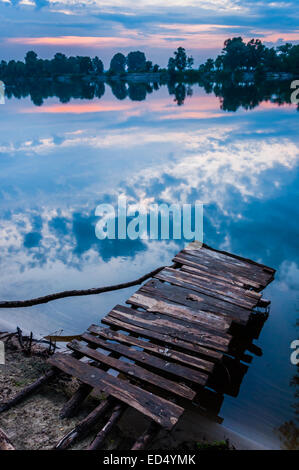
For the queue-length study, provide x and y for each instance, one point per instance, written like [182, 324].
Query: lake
[60, 160]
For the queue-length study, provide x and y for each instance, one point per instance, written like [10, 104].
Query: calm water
[59, 161]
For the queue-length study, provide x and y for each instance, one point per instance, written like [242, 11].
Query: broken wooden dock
[184, 333]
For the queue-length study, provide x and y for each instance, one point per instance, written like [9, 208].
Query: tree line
[236, 56]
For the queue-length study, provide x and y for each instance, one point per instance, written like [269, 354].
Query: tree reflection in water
[232, 96]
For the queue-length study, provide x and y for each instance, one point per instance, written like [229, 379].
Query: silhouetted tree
[118, 64]
[31, 62]
[180, 59]
[235, 53]
[148, 66]
[97, 65]
[171, 65]
[136, 62]
[190, 62]
[85, 64]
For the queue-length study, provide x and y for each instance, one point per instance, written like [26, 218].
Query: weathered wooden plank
[190, 264]
[165, 352]
[226, 293]
[146, 359]
[180, 312]
[202, 338]
[210, 258]
[134, 371]
[197, 245]
[195, 300]
[174, 342]
[221, 281]
[236, 287]
[190, 260]
[160, 410]
[194, 329]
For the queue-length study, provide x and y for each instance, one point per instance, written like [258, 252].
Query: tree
[148, 66]
[118, 64]
[136, 61]
[180, 59]
[218, 62]
[190, 62]
[255, 53]
[31, 62]
[97, 65]
[60, 63]
[235, 54]
[209, 65]
[171, 65]
[85, 64]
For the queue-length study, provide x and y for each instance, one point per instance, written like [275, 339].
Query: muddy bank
[35, 423]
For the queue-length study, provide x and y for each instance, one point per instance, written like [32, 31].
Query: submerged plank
[160, 410]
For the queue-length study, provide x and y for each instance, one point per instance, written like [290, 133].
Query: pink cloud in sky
[195, 37]
[79, 108]
[85, 41]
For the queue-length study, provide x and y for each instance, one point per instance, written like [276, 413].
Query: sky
[157, 27]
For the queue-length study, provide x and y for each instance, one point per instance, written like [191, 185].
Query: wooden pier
[184, 334]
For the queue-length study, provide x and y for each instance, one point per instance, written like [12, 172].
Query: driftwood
[85, 425]
[101, 436]
[5, 443]
[29, 390]
[76, 293]
[145, 439]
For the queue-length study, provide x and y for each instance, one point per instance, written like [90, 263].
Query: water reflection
[289, 431]
[60, 159]
[232, 96]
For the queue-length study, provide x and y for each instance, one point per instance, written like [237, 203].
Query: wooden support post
[101, 436]
[71, 407]
[29, 389]
[85, 425]
[145, 439]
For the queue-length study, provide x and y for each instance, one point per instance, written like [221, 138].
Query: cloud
[83, 41]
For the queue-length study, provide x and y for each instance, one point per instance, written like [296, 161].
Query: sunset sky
[158, 27]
